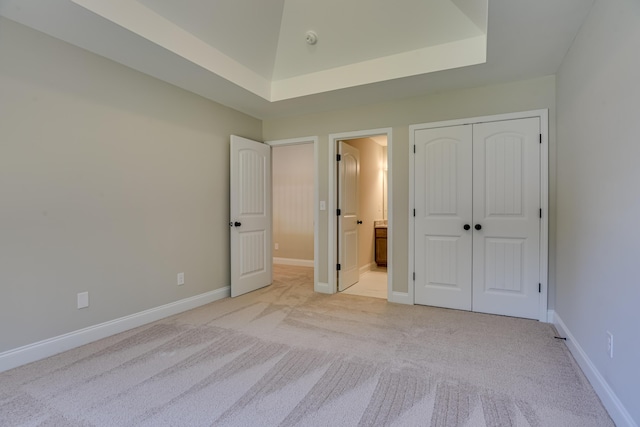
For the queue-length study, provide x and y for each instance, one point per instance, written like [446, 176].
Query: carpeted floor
[286, 356]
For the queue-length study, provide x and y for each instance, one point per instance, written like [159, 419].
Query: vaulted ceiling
[254, 55]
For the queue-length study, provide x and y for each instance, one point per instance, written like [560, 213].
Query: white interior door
[506, 205]
[443, 197]
[250, 215]
[348, 171]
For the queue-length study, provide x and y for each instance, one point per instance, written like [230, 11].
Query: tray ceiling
[252, 54]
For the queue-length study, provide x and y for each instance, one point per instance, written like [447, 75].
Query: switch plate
[83, 300]
[180, 279]
[610, 344]
[276, 246]
[323, 205]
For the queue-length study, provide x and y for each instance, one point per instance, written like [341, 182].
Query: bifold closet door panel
[443, 197]
[506, 203]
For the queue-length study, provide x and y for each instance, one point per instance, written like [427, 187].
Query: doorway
[295, 204]
[370, 259]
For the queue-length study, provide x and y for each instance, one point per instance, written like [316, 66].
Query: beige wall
[598, 286]
[111, 182]
[369, 196]
[293, 191]
[497, 99]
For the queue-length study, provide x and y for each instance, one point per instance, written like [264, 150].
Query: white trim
[551, 315]
[544, 222]
[401, 298]
[317, 286]
[323, 288]
[543, 115]
[39, 350]
[332, 261]
[616, 409]
[293, 261]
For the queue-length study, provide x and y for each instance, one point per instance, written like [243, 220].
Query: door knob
[478, 227]
[237, 224]
[359, 222]
[467, 227]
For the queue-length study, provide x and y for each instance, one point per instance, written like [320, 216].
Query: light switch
[323, 205]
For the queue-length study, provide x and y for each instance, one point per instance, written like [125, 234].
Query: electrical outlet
[180, 279]
[83, 300]
[610, 344]
[276, 246]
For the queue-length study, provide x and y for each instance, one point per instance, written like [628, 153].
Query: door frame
[332, 287]
[543, 115]
[316, 196]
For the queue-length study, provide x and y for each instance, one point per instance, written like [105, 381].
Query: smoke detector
[311, 37]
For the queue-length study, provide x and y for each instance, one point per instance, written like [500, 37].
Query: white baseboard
[322, 288]
[616, 409]
[400, 298]
[30, 353]
[293, 261]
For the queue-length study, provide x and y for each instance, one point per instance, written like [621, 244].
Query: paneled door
[348, 173]
[506, 217]
[477, 221]
[250, 215]
[443, 197]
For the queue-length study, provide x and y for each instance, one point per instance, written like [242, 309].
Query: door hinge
[414, 148]
[414, 276]
[338, 212]
[414, 212]
[539, 287]
[540, 213]
[540, 138]
[338, 267]
[338, 157]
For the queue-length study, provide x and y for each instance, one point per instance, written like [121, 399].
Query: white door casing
[250, 215]
[443, 196]
[506, 204]
[504, 242]
[348, 172]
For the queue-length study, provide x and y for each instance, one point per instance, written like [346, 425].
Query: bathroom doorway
[366, 157]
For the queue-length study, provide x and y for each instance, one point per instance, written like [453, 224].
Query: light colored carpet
[285, 356]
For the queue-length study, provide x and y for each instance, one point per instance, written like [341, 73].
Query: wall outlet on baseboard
[610, 344]
[180, 279]
[83, 300]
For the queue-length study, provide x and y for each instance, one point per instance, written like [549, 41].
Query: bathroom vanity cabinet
[381, 245]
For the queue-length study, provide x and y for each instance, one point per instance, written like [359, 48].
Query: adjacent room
[260, 213]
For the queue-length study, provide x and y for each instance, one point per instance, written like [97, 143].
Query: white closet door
[443, 190]
[506, 203]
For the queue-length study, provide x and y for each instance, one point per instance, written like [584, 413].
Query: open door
[250, 215]
[348, 170]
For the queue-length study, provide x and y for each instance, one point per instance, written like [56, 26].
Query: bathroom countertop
[380, 223]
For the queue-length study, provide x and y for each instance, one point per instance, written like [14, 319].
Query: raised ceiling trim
[146, 23]
[446, 56]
